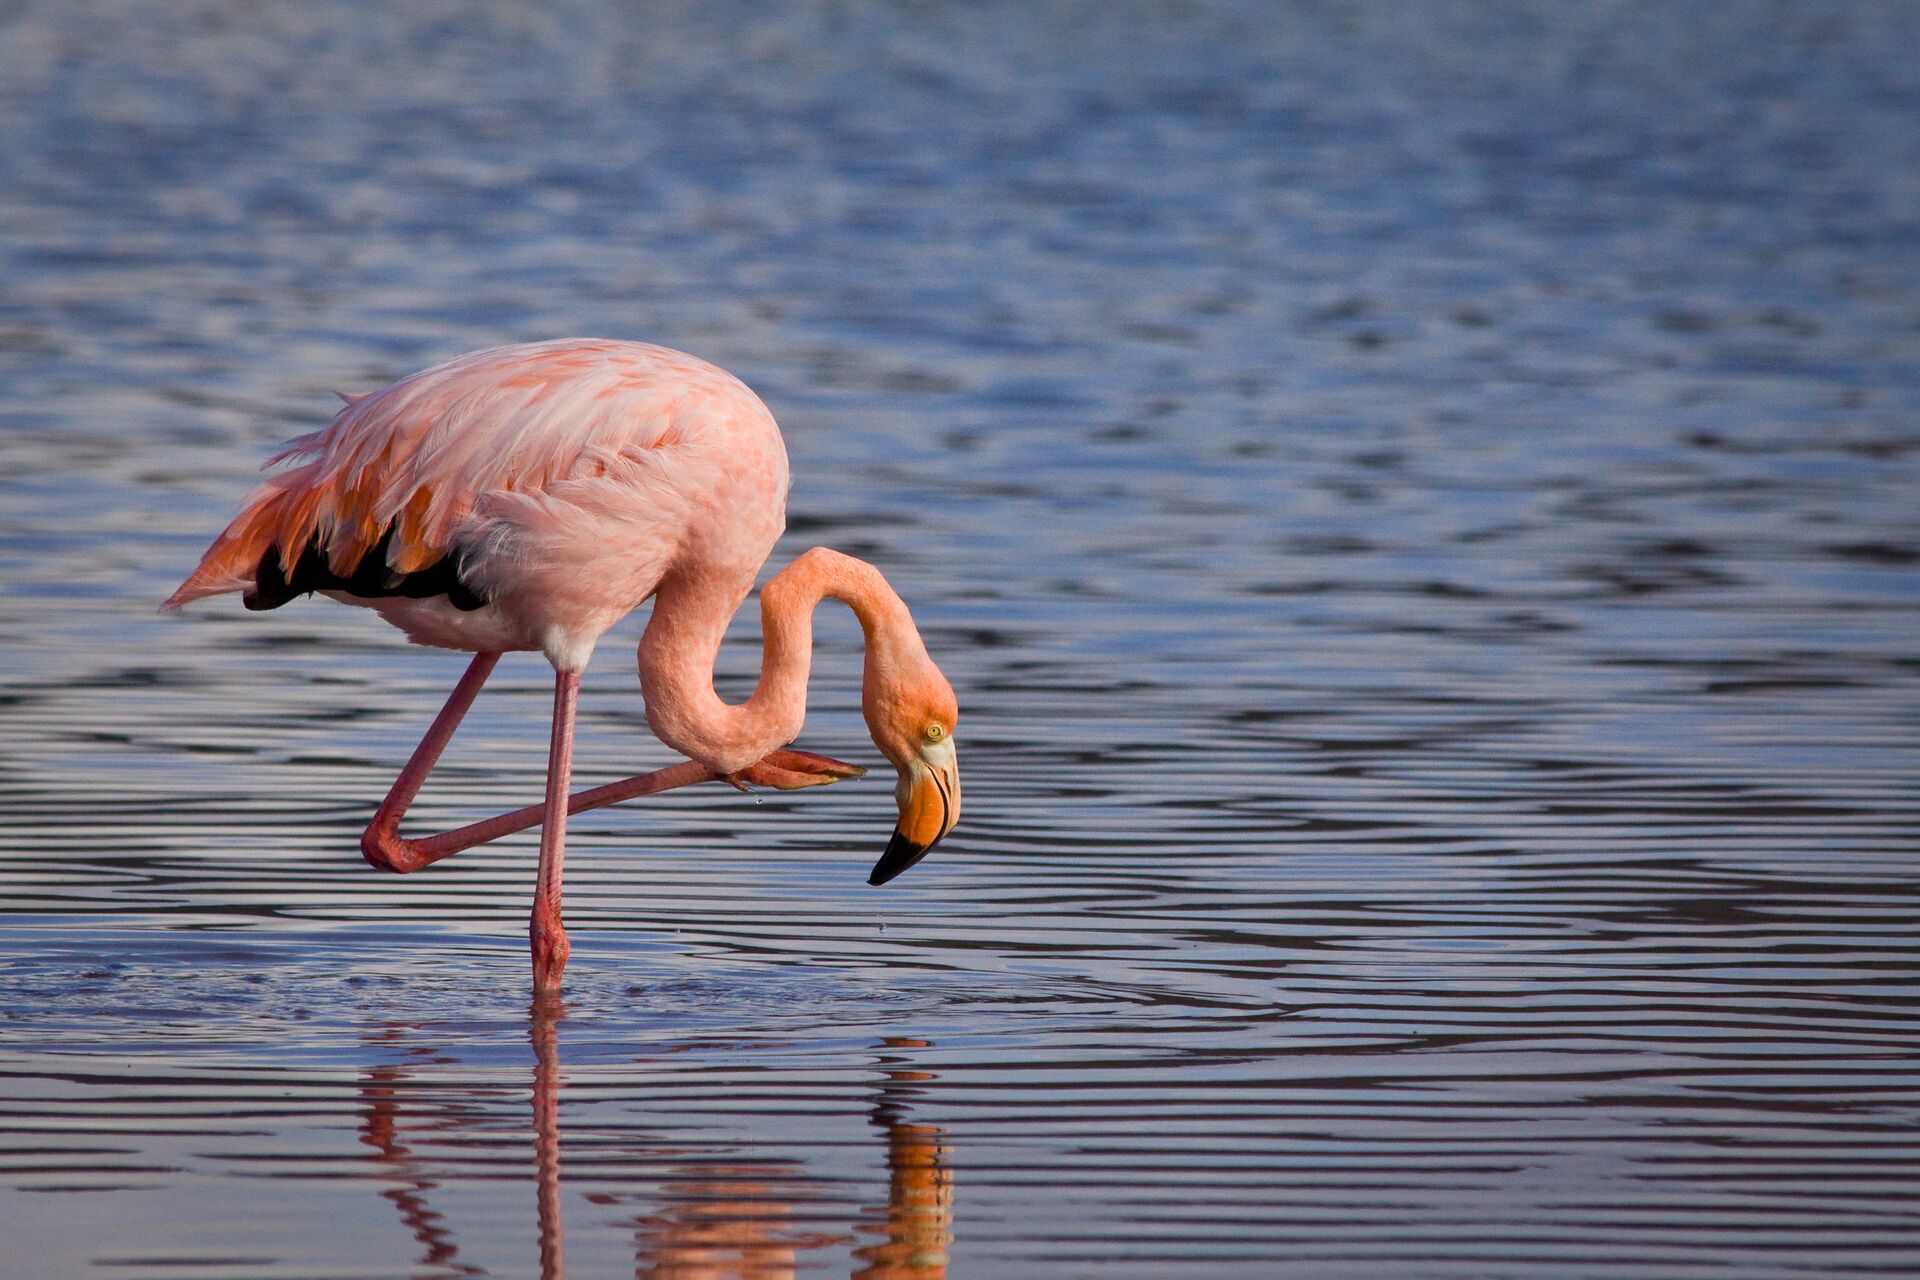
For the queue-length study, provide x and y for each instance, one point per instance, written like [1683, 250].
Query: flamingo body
[547, 489]
[527, 498]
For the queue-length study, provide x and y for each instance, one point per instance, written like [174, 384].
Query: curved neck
[690, 617]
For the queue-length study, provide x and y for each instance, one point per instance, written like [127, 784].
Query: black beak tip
[901, 853]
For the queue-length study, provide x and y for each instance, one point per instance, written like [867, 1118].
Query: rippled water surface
[1419, 505]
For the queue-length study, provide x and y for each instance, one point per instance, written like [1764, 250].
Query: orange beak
[929, 795]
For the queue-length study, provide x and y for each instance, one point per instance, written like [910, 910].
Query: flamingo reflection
[381, 1129]
[918, 1225]
[543, 1028]
[733, 1222]
[706, 1218]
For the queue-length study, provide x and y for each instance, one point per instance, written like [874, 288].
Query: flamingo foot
[550, 952]
[789, 770]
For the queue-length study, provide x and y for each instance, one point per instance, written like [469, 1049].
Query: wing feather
[413, 465]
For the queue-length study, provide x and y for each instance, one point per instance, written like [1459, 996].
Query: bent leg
[784, 770]
[384, 846]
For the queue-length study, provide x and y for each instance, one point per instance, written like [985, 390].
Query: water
[1418, 503]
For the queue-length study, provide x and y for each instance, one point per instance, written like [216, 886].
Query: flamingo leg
[547, 934]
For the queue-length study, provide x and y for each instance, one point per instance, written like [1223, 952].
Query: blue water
[1418, 503]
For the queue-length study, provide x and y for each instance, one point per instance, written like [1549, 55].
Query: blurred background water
[1418, 503]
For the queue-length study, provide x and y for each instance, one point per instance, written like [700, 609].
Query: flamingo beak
[929, 796]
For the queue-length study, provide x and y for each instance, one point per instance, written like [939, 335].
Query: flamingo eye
[935, 732]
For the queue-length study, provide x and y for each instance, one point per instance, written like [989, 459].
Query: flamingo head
[911, 715]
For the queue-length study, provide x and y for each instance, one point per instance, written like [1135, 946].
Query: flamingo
[526, 498]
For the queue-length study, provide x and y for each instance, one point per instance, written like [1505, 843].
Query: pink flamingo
[527, 498]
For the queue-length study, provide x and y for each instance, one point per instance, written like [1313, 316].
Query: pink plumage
[565, 478]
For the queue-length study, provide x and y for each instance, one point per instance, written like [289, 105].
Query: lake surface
[1419, 504]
